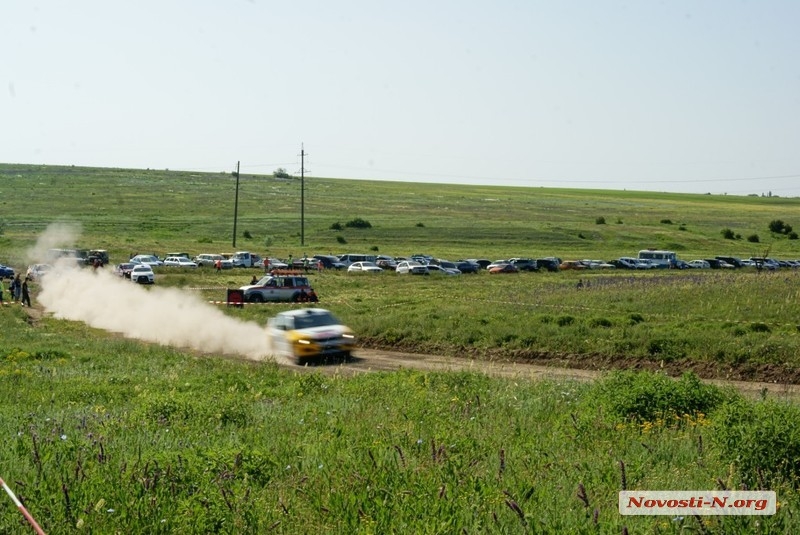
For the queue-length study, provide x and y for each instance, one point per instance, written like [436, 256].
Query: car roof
[305, 312]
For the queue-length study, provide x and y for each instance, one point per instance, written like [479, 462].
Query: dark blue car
[6, 272]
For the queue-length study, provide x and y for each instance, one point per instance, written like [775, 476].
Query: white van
[348, 259]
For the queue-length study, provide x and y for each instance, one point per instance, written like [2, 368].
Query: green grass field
[107, 434]
[148, 210]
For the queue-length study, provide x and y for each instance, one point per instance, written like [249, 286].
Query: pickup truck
[246, 259]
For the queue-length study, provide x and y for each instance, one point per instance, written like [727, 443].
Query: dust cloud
[166, 316]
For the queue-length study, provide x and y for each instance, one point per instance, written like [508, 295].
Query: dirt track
[371, 360]
[374, 360]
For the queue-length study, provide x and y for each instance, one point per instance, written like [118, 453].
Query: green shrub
[666, 221]
[666, 348]
[647, 396]
[336, 226]
[762, 439]
[340, 239]
[600, 322]
[753, 238]
[358, 223]
[563, 321]
[779, 227]
[760, 328]
[635, 318]
[728, 234]
[600, 220]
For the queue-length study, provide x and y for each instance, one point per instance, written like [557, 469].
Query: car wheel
[256, 298]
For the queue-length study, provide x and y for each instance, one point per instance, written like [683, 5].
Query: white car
[179, 261]
[143, 274]
[276, 263]
[368, 267]
[37, 271]
[436, 268]
[411, 267]
[209, 260]
[306, 333]
[699, 264]
[147, 259]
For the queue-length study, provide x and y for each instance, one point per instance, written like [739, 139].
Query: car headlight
[303, 341]
[347, 335]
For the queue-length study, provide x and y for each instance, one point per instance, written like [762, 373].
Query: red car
[504, 268]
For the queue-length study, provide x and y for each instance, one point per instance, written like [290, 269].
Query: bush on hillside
[646, 396]
[762, 439]
[358, 223]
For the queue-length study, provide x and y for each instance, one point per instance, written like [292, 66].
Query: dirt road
[371, 360]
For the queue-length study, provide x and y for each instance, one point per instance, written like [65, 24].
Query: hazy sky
[692, 96]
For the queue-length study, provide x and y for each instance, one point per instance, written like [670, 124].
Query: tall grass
[106, 435]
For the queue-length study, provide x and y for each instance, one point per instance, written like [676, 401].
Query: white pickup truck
[246, 259]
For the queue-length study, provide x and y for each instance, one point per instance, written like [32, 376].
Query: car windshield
[320, 319]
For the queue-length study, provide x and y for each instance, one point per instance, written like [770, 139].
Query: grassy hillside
[156, 210]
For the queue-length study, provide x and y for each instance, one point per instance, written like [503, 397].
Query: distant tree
[336, 226]
[666, 221]
[374, 248]
[247, 235]
[420, 224]
[728, 234]
[340, 239]
[779, 227]
[600, 220]
[793, 235]
[280, 172]
[753, 238]
[358, 223]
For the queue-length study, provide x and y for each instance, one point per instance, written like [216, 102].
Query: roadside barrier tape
[21, 508]
[207, 289]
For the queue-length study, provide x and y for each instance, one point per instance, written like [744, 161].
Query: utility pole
[236, 205]
[302, 196]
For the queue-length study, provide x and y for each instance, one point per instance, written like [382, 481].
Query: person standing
[16, 288]
[1, 291]
[26, 297]
[266, 265]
